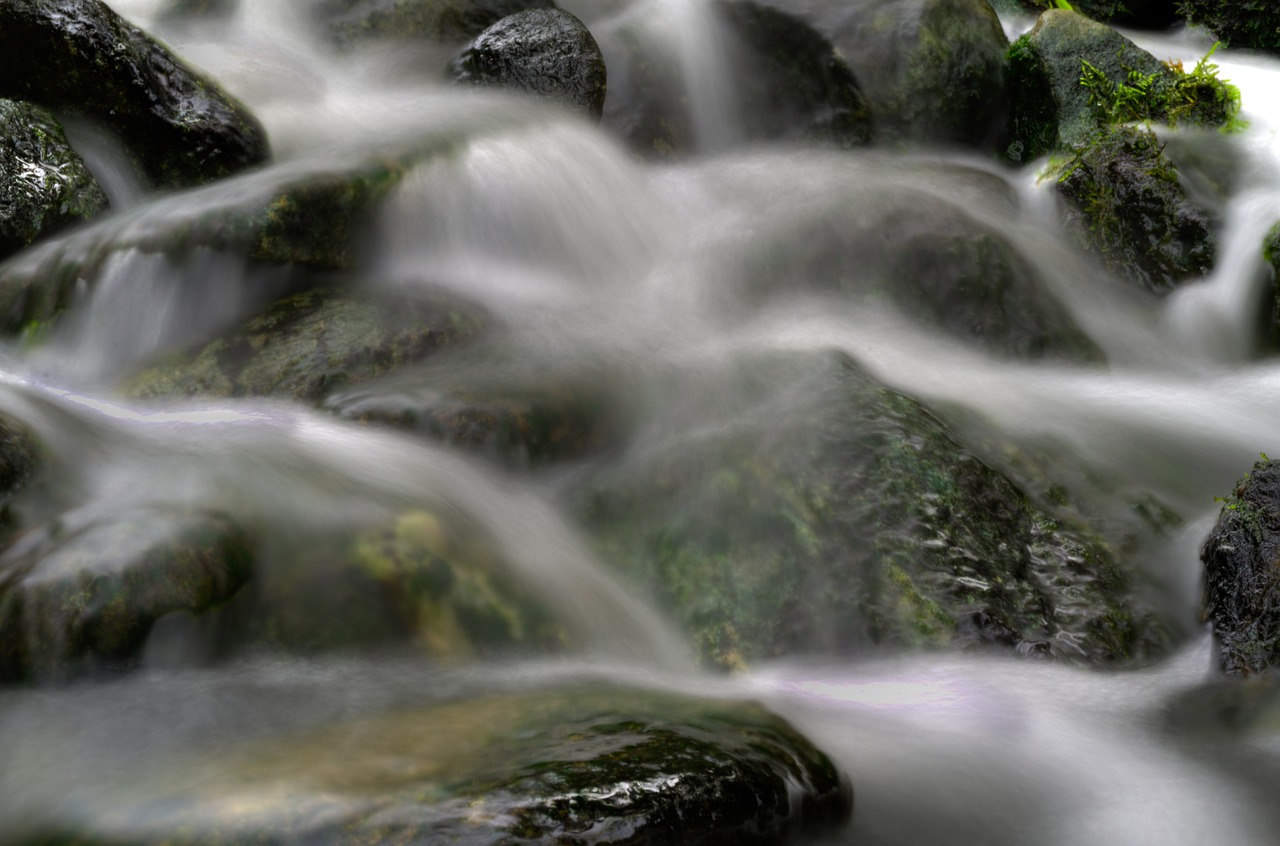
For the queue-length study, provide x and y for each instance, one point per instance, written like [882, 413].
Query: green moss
[1252, 24]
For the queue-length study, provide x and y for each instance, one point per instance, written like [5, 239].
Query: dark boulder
[574, 765]
[310, 344]
[785, 81]
[44, 184]
[1242, 577]
[80, 59]
[546, 52]
[814, 511]
[86, 590]
[352, 23]
[932, 70]
[925, 253]
[1127, 205]
[1247, 24]
[1138, 14]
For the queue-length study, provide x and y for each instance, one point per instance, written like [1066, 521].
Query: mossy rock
[1128, 206]
[788, 83]
[575, 765]
[1139, 14]
[84, 591]
[312, 218]
[929, 257]
[78, 57]
[422, 578]
[1271, 255]
[1242, 578]
[1247, 24]
[310, 344]
[520, 426]
[44, 184]
[353, 23]
[839, 517]
[544, 52]
[932, 70]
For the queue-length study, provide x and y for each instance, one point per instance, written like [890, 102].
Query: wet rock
[351, 23]
[545, 52]
[422, 578]
[311, 218]
[785, 82]
[1249, 24]
[78, 58]
[85, 590]
[1241, 574]
[20, 458]
[927, 255]
[1070, 78]
[518, 425]
[574, 765]
[310, 344]
[1138, 14]
[44, 184]
[1128, 206]
[826, 514]
[931, 70]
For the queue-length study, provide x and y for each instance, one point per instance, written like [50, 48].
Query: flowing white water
[592, 260]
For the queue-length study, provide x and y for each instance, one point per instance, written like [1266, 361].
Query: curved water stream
[607, 265]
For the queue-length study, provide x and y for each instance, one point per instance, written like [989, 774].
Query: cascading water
[641, 275]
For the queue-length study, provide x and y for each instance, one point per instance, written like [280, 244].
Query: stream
[602, 264]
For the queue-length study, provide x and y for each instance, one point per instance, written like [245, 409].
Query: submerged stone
[832, 515]
[576, 765]
[79, 58]
[351, 23]
[1128, 206]
[782, 81]
[310, 344]
[86, 590]
[1242, 577]
[424, 578]
[44, 184]
[545, 52]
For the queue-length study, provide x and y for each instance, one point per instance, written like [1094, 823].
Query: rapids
[607, 265]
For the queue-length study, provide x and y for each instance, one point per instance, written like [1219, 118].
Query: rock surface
[566, 766]
[1247, 24]
[85, 590]
[832, 515]
[1129, 207]
[310, 344]
[1241, 578]
[79, 58]
[785, 81]
[44, 184]
[352, 23]
[546, 52]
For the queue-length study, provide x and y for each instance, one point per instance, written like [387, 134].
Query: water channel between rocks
[645, 276]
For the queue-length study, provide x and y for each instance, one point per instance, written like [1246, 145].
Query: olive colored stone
[1128, 206]
[85, 590]
[424, 578]
[1241, 595]
[839, 516]
[351, 23]
[576, 765]
[44, 184]
[78, 57]
[545, 52]
[310, 344]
